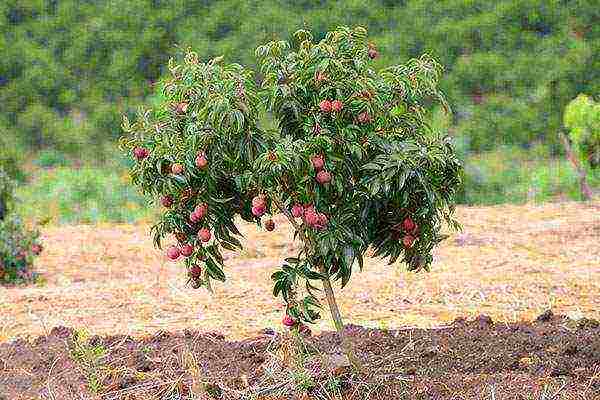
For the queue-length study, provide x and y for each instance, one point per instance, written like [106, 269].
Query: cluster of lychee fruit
[323, 177]
[310, 216]
[259, 208]
[328, 106]
[410, 229]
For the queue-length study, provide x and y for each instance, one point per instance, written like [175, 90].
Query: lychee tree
[348, 158]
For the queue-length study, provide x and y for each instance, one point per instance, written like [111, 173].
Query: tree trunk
[586, 192]
[337, 320]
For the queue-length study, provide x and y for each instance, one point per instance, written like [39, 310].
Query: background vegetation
[70, 68]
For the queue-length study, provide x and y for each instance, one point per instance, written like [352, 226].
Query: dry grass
[510, 262]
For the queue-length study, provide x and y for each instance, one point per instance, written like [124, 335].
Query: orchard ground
[509, 262]
[159, 339]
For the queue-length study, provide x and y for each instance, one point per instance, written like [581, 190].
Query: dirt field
[551, 358]
[510, 262]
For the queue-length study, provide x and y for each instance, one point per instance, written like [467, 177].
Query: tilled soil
[550, 358]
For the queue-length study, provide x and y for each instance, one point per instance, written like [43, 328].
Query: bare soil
[550, 358]
[511, 262]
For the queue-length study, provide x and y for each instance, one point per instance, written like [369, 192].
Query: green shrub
[582, 118]
[18, 244]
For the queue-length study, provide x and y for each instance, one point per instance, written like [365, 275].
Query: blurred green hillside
[69, 69]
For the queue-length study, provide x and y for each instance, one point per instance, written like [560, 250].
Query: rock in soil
[470, 358]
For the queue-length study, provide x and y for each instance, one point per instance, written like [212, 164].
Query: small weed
[90, 358]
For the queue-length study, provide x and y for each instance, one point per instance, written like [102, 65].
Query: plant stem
[333, 307]
[586, 192]
[337, 319]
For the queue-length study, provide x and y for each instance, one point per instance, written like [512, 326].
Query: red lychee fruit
[259, 201]
[317, 162]
[195, 271]
[204, 234]
[201, 161]
[173, 253]
[323, 220]
[166, 201]
[304, 330]
[337, 106]
[201, 210]
[320, 76]
[194, 217]
[177, 169]
[36, 249]
[288, 321]
[408, 224]
[323, 177]
[187, 250]
[258, 211]
[311, 217]
[408, 241]
[364, 117]
[269, 225]
[373, 53]
[182, 107]
[297, 211]
[140, 153]
[325, 106]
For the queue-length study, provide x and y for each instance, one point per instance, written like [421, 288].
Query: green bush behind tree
[69, 68]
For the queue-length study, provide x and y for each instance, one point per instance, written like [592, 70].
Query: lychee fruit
[182, 107]
[408, 241]
[258, 211]
[323, 220]
[311, 217]
[297, 210]
[173, 253]
[288, 321]
[337, 106]
[304, 330]
[140, 153]
[166, 201]
[201, 161]
[187, 250]
[373, 53]
[320, 76]
[408, 224]
[177, 169]
[195, 271]
[364, 117]
[36, 249]
[325, 106]
[269, 225]
[194, 217]
[204, 234]
[323, 177]
[201, 210]
[317, 162]
[259, 201]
